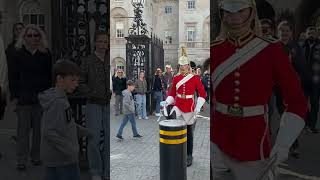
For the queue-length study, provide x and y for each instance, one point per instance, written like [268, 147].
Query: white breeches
[188, 117]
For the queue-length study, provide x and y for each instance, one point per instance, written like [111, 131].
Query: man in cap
[181, 94]
[245, 68]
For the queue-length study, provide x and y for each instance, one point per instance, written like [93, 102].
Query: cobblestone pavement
[138, 159]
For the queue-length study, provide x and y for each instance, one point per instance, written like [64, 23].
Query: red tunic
[240, 137]
[188, 88]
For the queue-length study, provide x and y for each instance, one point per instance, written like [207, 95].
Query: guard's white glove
[167, 102]
[163, 104]
[200, 102]
[290, 128]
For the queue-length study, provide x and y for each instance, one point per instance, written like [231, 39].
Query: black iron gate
[74, 25]
[143, 53]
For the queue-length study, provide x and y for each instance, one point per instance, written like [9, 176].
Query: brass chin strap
[184, 72]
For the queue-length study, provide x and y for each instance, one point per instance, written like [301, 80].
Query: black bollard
[173, 150]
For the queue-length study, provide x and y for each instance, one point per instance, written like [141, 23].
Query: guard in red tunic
[245, 68]
[184, 86]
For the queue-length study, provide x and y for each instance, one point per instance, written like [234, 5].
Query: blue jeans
[98, 123]
[141, 105]
[68, 172]
[126, 118]
[159, 97]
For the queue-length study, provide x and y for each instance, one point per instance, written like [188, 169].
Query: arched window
[118, 63]
[31, 14]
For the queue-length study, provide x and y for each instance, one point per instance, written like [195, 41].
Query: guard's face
[184, 67]
[235, 20]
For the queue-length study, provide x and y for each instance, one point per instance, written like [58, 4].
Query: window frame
[38, 17]
[168, 9]
[191, 4]
[117, 33]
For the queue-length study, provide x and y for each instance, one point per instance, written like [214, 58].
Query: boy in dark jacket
[59, 142]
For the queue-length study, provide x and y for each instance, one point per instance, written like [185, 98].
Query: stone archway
[30, 13]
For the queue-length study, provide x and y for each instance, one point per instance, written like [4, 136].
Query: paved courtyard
[138, 159]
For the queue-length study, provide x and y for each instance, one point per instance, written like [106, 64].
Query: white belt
[240, 111]
[183, 96]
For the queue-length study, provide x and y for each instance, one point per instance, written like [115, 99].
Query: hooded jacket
[59, 140]
[128, 102]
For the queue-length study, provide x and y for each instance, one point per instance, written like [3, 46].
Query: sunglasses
[120, 72]
[33, 35]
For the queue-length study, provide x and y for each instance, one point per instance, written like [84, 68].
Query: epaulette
[216, 42]
[269, 39]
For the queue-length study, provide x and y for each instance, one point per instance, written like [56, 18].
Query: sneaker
[21, 167]
[139, 117]
[146, 118]
[119, 137]
[138, 136]
[157, 114]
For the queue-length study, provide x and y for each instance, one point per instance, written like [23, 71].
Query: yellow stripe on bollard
[173, 133]
[173, 141]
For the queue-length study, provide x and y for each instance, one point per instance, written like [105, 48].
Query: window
[120, 65]
[36, 19]
[191, 4]
[168, 37]
[191, 33]
[168, 9]
[119, 29]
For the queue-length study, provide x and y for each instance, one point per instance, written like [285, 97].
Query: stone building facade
[27, 11]
[177, 23]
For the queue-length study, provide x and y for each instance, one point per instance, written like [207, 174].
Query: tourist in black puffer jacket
[119, 82]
